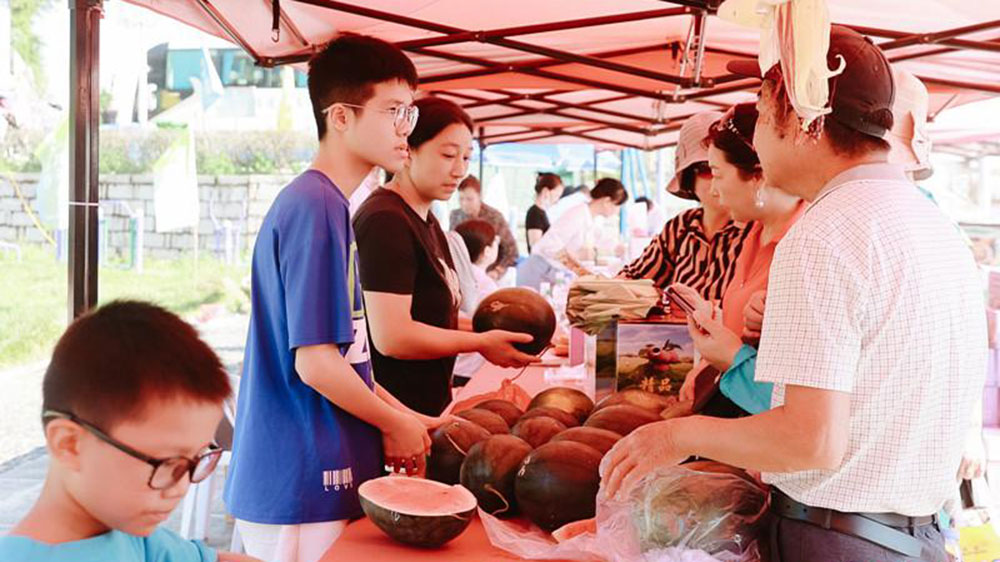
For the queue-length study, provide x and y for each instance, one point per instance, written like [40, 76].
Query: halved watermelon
[415, 511]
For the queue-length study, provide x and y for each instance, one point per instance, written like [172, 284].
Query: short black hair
[110, 363]
[436, 115]
[547, 180]
[347, 70]
[611, 189]
[478, 235]
[645, 200]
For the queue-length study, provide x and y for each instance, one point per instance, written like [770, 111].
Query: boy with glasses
[131, 402]
[312, 425]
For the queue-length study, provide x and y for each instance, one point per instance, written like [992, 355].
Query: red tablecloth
[362, 541]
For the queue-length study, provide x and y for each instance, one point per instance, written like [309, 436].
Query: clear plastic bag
[674, 514]
[717, 512]
[527, 541]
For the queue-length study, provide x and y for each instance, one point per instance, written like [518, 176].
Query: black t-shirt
[400, 253]
[537, 219]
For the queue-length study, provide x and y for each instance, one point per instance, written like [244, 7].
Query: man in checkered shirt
[874, 337]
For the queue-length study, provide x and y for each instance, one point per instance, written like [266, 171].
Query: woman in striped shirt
[699, 246]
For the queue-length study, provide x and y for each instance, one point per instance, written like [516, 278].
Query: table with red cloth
[362, 540]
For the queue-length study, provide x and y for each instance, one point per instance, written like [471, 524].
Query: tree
[26, 43]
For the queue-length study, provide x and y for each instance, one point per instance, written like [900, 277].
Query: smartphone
[684, 304]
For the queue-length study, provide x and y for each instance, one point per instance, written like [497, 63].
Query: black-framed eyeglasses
[404, 117]
[166, 472]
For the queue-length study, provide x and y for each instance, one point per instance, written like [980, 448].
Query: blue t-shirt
[298, 458]
[161, 545]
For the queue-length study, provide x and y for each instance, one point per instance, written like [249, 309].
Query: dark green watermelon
[506, 410]
[517, 310]
[717, 508]
[486, 419]
[646, 400]
[415, 511]
[600, 439]
[538, 431]
[621, 418]
[489, 469]
[449, 445]
[548, 412]
[569, 400]
[557, 484]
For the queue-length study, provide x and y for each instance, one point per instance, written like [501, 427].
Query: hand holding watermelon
[497, 346]
[405, 444]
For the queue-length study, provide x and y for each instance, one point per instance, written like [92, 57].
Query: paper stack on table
[596, 301]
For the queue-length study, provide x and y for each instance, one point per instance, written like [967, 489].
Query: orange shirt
[751, 272]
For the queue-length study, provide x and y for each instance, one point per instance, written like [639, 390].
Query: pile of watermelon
[541, 463]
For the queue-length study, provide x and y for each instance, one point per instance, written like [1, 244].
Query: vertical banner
[175, 186]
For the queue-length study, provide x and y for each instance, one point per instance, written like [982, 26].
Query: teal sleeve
[738, 383]
[166, 546]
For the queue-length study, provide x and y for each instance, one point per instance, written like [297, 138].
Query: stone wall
[229, 204]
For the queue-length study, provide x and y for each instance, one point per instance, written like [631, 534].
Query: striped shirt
[683, 253]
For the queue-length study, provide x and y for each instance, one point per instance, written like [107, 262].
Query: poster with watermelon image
[654, 357]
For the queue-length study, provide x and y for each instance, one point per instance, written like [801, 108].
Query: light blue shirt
[162, 545]
[738, 383]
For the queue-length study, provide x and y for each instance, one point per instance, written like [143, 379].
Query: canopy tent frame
[592, 119]
[548, 57]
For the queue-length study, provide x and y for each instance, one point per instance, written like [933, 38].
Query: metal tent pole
[85, 26]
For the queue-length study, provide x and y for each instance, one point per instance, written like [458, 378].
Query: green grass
[33, 295]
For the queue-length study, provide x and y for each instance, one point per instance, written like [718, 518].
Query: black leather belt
[882, 529]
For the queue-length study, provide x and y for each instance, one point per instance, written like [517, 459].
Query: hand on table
[497, 347]
[405, 445]
[716, 343]
[636, 455]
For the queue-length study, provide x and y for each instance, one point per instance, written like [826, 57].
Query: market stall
[619, 84]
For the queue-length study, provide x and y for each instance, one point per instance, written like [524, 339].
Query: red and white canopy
[610, 72]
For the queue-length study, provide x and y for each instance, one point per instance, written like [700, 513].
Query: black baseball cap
[861, 96]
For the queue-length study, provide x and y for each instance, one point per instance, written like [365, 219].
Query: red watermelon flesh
[415, 511]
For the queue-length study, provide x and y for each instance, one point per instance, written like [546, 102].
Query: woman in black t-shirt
[548, 190]
[407, 274]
